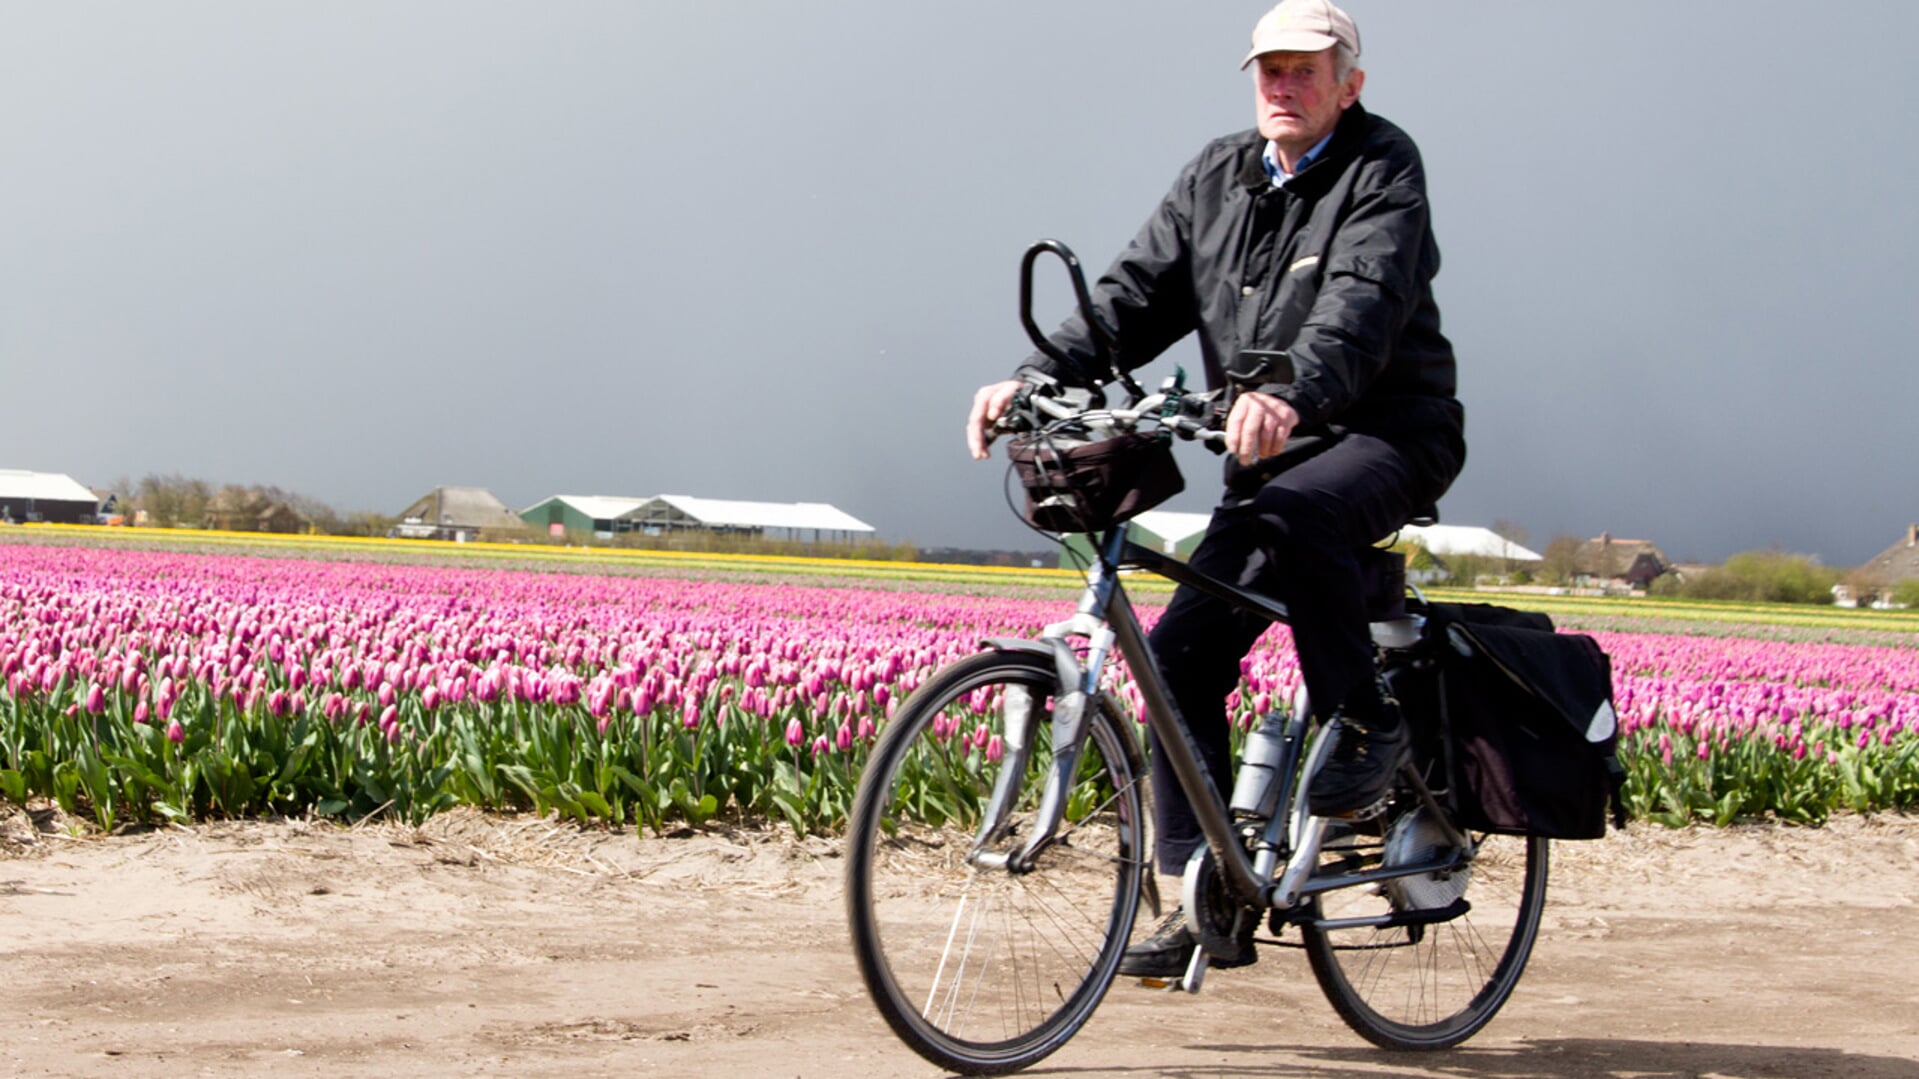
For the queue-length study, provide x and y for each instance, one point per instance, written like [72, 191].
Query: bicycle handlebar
[1194, 416]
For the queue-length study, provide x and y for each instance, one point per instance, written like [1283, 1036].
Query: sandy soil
[477, 946]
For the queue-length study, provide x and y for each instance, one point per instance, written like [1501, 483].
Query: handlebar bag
[1532, 721]
[1074, 485]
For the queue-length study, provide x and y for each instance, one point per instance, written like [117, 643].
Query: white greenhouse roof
[1172, 525]
[43, 486]
[800, 515]
[598, 507]
[1444, 540]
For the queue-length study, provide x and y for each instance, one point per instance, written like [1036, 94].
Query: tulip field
[140, 685]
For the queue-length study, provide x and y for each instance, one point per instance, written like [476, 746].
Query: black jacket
[1336, 267]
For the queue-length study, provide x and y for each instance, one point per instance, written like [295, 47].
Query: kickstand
[1195, 971]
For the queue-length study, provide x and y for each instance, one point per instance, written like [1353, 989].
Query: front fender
[1129, 736]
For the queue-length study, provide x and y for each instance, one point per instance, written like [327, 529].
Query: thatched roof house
[248, 513]
[1609, 560]
[1897, 563]
[1887, 570]
[459, 514]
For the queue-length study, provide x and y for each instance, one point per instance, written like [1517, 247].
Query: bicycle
[997, 848]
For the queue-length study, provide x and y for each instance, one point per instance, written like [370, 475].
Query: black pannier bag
[1535, 735]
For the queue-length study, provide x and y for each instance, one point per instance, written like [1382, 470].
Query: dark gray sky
[767, 250]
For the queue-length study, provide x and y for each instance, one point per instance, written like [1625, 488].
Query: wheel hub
[1414, 838]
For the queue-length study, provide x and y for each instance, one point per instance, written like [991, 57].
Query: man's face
[1300, 97]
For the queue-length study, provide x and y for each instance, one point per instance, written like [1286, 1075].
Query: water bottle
[1256, 788]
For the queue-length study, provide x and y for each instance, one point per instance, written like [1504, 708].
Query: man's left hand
[1259, 426]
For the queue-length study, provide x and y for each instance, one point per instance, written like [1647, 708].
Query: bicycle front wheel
[979, 968]
[1430, 985]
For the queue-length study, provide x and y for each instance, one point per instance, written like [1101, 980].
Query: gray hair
[1345, 61]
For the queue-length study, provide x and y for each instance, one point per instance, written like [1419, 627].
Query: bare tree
[1560, 561]
[1515, 535]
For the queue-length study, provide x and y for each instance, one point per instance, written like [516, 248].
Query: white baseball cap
[1302, 26]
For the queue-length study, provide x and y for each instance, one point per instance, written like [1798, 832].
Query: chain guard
[1215, 918]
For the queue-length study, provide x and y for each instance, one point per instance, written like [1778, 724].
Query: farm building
[1166, 531]
[1872, 584]
[53, 497]
[459, 514]
[1178, 534]
[1444, 541]
[602, 515]
[805, 521]
[1610, 562]
[240, 510]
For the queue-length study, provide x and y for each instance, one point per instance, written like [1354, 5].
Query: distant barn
[45, 496]
[1444, 541]
[459, 514]
[804, 521]
[602, 515]
[1607, 561]
[239, 510]
[1177, 534]
[1167, 531]
[663, 515]
[1873, 584]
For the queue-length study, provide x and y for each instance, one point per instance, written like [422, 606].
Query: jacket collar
[1347, 135]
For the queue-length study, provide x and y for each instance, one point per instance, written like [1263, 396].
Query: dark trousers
[1293, 538]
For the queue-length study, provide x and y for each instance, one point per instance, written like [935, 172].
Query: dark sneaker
[1360, 770]
[1165, 954]
[1168, 952]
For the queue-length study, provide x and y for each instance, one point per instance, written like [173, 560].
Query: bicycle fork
[1078, 689]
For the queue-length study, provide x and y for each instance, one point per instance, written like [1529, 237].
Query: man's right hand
[989, 404]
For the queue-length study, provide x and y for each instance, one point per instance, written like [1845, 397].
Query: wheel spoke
[988, 969]
[1432, 985]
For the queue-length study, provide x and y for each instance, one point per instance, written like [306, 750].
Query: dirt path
[476, 946]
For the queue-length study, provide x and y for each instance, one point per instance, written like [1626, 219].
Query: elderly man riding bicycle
[1309, 234]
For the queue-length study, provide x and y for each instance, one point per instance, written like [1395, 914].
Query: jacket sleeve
[1145, 297]
[1378, 265]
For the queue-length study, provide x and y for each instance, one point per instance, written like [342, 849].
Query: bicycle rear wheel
[985, 970]
[1433, 985]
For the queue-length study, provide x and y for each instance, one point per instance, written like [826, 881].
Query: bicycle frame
[1106, 619]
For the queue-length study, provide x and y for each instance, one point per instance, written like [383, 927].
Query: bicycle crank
[1215, 917]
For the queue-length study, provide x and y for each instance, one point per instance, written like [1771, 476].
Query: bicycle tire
[1431, 986]
[986, 971]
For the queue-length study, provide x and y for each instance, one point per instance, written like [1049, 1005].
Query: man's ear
[1349, 93]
